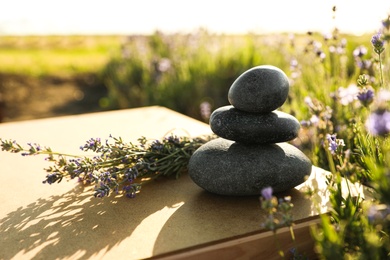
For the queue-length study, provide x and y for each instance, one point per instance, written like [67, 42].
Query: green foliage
[355, 228]
[55, 55]
[182, 71]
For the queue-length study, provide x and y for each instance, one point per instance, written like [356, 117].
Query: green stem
[280, 251]
[331, 162]
[380, 70]
[168, 156]
[292, 234]
[55, 153]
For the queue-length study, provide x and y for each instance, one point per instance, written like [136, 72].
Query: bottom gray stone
[225, 167]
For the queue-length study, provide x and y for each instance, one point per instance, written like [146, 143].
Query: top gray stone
[261, 89]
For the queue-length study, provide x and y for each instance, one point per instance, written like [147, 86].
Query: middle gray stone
[234, 124]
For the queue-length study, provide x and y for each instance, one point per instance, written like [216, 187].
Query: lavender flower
[157, 146]
[366, 96]
[266, 193]
[173, 140]
[130, 174]
[386, 23]
[92, 144]
[364, 64]
[102, 191]
[131, 190]
[360, 51]
[334, 143]
[378, 43]
[378, 123]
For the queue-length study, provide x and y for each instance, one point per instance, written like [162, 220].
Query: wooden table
[169, 219]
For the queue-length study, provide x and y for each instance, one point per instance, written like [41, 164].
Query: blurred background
[45, 17]
[71, 57]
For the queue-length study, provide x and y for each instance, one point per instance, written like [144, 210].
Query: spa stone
[229, 168]
[233, 124]
[261, 89]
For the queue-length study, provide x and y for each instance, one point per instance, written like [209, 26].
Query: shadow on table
[208, 217]
[73, 225]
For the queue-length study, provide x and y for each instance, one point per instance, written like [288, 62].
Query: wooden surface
[255, 245]
[64, 221]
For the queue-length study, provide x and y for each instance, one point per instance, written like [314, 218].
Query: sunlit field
[55, 55]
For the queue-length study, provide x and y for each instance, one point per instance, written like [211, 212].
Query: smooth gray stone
[274, 127]
[261, 89]
[229, 168]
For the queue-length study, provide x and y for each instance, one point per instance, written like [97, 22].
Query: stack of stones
[252, 152]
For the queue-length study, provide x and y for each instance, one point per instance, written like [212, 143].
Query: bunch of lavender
[117, 167]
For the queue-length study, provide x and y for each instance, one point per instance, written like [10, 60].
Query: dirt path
[23, 97]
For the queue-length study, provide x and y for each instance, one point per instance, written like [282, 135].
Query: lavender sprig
[117, 167]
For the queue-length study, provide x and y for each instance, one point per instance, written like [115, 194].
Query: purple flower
[378, 43]
[378, 123]
[131, 174]
[376, 40]
[173, 139]
[92, 144]
[360, 51]
[334, 143]
[266, 193]
[364, 64]
[102, 191]
[130, 191]
[366, 96]
[157, 146]
[386, 23]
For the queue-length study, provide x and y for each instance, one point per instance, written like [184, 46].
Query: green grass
[56, 55]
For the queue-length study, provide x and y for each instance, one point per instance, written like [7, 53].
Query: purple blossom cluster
[334, 145]
[366, 96]
[378, 123]
[378, 43]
